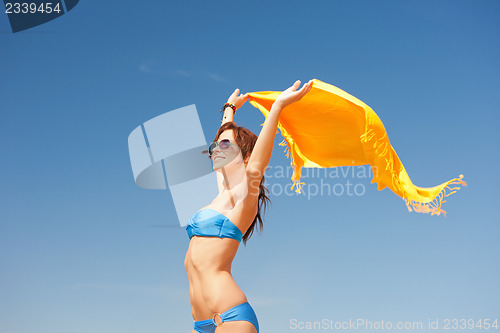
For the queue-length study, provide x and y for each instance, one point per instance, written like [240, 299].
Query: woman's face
[224, 157]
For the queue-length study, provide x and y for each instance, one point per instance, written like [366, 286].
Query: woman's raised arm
[261, 154]
[237, 101]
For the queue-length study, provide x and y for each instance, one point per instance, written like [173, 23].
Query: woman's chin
[219, 163]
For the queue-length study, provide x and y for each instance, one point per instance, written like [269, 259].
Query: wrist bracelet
[231, 106]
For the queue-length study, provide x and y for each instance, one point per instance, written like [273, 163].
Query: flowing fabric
[330, 128]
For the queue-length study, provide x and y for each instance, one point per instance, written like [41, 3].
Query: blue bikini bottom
[242, 311]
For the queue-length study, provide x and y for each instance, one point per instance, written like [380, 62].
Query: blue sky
[80, 246]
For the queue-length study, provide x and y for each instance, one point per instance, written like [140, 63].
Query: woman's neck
[230, 177]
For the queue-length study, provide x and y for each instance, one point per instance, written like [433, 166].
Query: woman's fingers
[238, 99]
[294, 86]
[305, 89]
[302, 90]
[309, 86]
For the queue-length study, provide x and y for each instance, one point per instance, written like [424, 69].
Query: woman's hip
[204, 303]
[239, 312]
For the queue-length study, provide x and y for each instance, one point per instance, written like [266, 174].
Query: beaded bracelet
[230, 105]
[224, 108]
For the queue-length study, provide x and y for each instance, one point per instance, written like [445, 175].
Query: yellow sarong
[329, 128]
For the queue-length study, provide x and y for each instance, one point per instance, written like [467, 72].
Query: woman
[240, 160]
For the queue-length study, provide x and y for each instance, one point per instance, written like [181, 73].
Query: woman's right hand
[238, 101]
[292, 95]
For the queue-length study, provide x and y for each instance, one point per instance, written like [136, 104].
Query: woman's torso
[208, 260]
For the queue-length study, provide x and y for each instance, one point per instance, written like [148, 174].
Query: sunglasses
[223, 144]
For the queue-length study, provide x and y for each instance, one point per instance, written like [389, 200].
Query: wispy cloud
[151, 67]
[216, 77]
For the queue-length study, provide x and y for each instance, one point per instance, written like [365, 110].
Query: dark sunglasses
[223, 144]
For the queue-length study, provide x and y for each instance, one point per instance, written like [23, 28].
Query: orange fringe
[295, 178]
[381, 147]
[434, 207]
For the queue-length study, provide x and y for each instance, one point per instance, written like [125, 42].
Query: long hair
[246, 140]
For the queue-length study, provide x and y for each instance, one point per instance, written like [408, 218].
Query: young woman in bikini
[240, 159]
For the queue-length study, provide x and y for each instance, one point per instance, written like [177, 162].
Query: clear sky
[84, 249]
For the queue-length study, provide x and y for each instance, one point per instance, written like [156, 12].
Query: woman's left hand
[238, 101]
[292, 95]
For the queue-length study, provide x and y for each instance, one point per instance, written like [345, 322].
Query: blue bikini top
[211, 223]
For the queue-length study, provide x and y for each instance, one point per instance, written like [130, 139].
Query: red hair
[246, 140]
